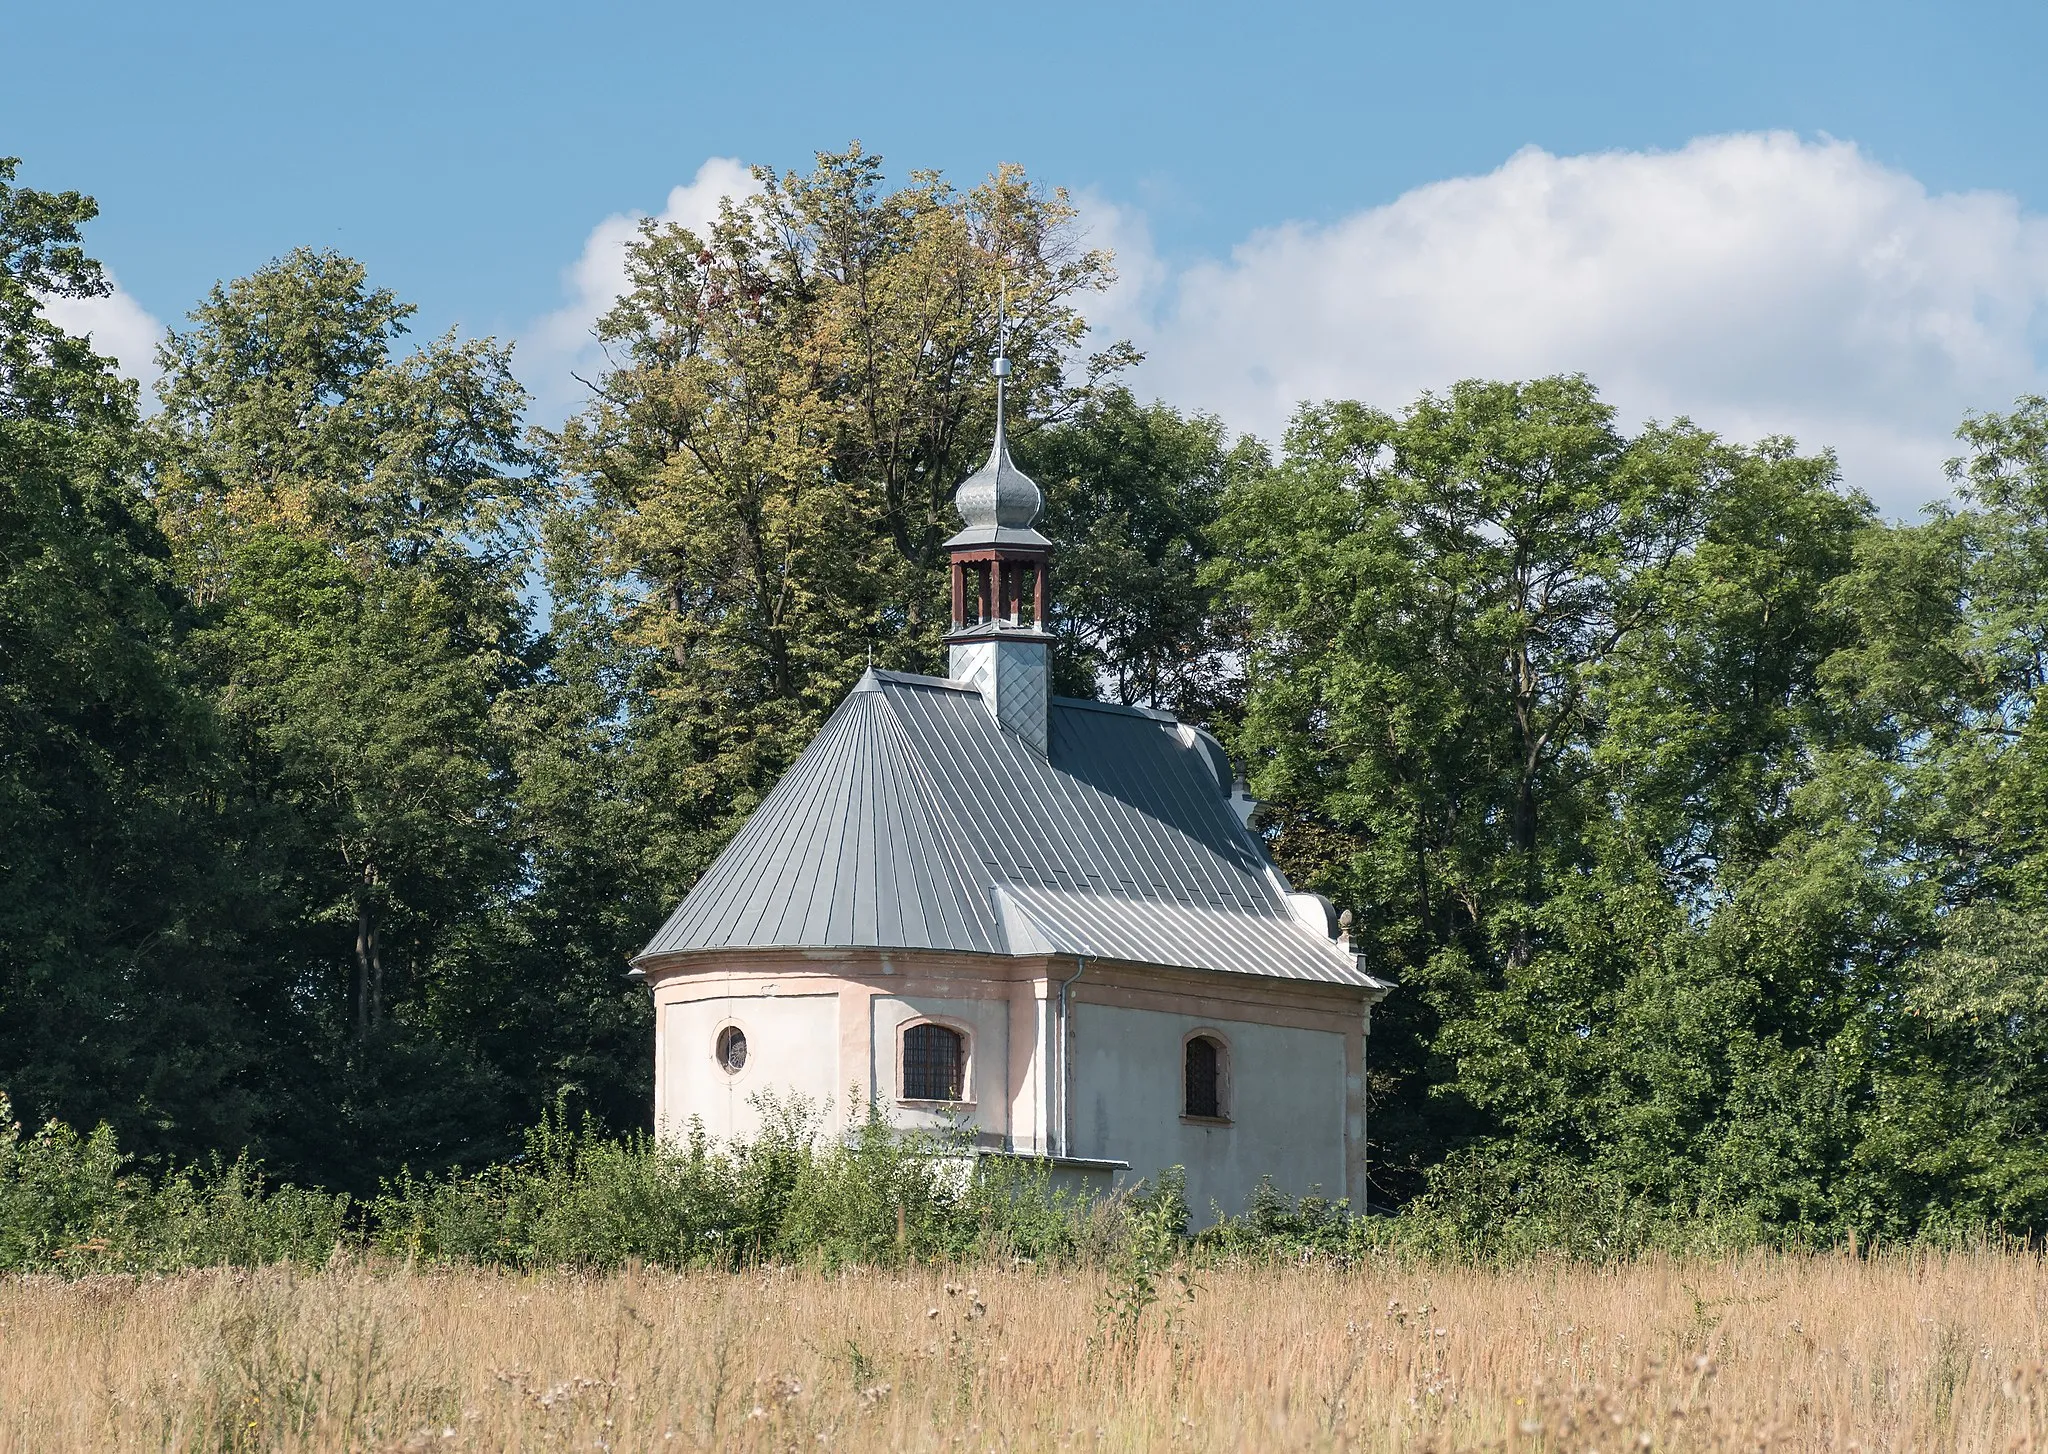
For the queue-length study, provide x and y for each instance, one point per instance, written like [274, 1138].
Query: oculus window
[732, 1049]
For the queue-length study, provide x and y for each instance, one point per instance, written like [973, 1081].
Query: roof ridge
[914, 679]
[1117, 709]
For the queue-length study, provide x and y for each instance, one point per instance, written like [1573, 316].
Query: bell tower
[999, 643]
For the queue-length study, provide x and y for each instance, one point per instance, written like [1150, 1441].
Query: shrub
[577, 1198]
[67, 1203]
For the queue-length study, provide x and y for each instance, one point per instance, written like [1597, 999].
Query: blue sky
[1250, 163]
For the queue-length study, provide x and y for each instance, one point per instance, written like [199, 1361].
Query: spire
[1002, 359]
[999, 503]
[998, 644]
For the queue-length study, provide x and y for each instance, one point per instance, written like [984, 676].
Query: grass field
[1905, 1351]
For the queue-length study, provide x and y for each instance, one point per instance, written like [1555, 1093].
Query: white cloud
[120, 328]
[1758, 283]
[559, 346]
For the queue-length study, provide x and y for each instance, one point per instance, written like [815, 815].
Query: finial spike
[1002, 351]
[999, 497]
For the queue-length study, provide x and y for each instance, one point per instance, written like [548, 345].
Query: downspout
[1365, 1111]
[1061, 1115]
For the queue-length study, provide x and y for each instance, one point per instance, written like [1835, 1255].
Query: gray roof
[914, 821]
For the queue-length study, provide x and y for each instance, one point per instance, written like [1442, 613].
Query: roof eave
[998, 535]
[653, 961]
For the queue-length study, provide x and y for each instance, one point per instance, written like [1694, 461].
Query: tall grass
[1767, 1351]
[869, 1291]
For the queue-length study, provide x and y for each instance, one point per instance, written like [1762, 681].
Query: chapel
[1042, 922]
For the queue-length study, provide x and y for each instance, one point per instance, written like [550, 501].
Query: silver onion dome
[999, 495]
[999, 503]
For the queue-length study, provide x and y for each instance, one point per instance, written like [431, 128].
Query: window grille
[732, 1049]
[932, 1057]
[1204, 1078]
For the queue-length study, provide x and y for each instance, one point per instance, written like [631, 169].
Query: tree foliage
[127, 987]
[1673, 786]
[352, 736]
[766, 473]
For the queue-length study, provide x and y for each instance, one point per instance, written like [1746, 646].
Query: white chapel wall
[986, 1021]
[1286, 1104]
[792, 1047]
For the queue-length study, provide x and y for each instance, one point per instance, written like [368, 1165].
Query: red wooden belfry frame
[999, 588]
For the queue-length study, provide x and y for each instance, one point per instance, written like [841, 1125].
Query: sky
[1824, 220]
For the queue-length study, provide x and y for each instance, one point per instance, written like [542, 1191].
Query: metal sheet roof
[1148, 931]
[912, 807]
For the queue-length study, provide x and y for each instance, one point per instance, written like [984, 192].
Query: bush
[67, 1203]
[576, 1198]
[874, 1196]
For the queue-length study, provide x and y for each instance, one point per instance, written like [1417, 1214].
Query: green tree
[1132, 495]
[766, 476]
[1944, 830]
[354, 523]
[127, 988]
[1533, 697]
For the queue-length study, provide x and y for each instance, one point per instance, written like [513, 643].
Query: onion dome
[999, 503]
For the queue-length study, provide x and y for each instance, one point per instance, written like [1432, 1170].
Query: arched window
[732, 1049]
[933, 1058]
[1204, 1078]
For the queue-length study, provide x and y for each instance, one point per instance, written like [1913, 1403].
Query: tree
[1948, 666]
[767, 473]
[1132, 494]
[127, 987]
[354, 524]
[1432, 596]
[1525, 693]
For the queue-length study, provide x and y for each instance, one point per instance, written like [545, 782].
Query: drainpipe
[1061, 1117]
[1365, 1111]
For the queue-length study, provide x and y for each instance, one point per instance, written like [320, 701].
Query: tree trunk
[369, 967]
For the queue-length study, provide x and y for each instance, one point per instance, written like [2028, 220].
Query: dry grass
[1920, 1352]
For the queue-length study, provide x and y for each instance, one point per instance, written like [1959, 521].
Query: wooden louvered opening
[934, 1058]
[1000, 588]
[1204, 1079]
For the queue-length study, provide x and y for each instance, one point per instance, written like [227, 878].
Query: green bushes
[66, 1204]
[575, 1198]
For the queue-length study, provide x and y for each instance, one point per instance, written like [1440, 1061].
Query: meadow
[1913, 1349]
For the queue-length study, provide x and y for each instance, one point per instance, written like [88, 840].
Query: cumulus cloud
[1759, 283]
[120, 328]
[559, 346]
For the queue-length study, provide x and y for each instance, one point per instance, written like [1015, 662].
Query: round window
[732, 1048]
